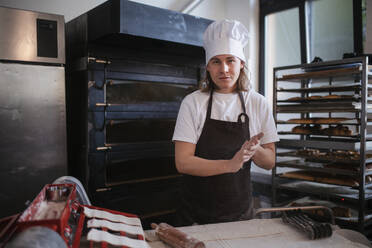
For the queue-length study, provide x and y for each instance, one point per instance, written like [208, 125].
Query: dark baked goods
[296, 98]
[308, 129]
[343, 155]
[338, 97]
[343, 166]
[314, 97]
[338, 130]
[308, 152]
[301, 121]
[317, 120]
[321, 178]
[329, 120]
[341, 212]
[332, 97]
[301, 130]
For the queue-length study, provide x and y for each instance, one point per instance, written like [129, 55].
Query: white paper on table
[102, 236]
[95, 213]
[120, 227]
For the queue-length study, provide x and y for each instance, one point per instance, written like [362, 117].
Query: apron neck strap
[209, 109]
[242, 102]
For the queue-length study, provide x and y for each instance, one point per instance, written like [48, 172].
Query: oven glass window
[139, 131]
[135, 92]
[132, 171]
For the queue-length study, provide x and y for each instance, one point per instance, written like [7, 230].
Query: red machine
[56, 208]
[51, 208]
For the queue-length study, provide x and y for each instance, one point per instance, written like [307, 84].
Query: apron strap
[242, 101]
[243, 117]
[209, 109]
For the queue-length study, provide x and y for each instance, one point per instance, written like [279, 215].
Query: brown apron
[225, 197]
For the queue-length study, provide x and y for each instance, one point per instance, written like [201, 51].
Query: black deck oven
[128, 68]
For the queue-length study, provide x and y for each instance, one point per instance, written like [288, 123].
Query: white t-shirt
[226, 107]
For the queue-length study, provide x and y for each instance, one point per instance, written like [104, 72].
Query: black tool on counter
[296, 216]
[314, 229]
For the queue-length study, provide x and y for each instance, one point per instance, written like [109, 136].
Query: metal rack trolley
[347, 76]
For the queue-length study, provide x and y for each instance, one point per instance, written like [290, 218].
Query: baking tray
[309, 107]
[335, 71]
[325, 143]
[323, 177]
[317, 108]
[353, 137]
[329, 190]
[322, 120]
[334, 88]
[311, 99]
[323, 158]
[321, 167]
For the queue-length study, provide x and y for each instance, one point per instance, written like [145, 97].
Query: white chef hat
[225, 37]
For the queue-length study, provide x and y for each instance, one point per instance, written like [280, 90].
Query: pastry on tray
[310, 152]
[342, 166]
[332, 97]
[318, 120]
[336, 155]
[308, 129]
[296, 98]
[343, 155]
[338, 130]
[315, 97]
[322, 178]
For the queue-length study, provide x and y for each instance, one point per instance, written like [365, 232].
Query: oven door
[131, 122]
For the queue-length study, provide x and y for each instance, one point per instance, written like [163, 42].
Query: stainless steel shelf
[336, 88]
[314, 166]
[320, 159]
[353, 137]
[326, 77]
[324, 143]
[337, 72]
[320, 189]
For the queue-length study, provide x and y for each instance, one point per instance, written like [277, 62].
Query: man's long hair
[242, 83]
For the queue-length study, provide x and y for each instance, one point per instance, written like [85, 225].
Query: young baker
[220, 130]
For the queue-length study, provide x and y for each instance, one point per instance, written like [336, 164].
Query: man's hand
[245, 153]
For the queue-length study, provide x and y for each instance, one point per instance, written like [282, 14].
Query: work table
[258, 233]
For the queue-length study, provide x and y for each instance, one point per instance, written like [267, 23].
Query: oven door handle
[104, 148]
[102, 104]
